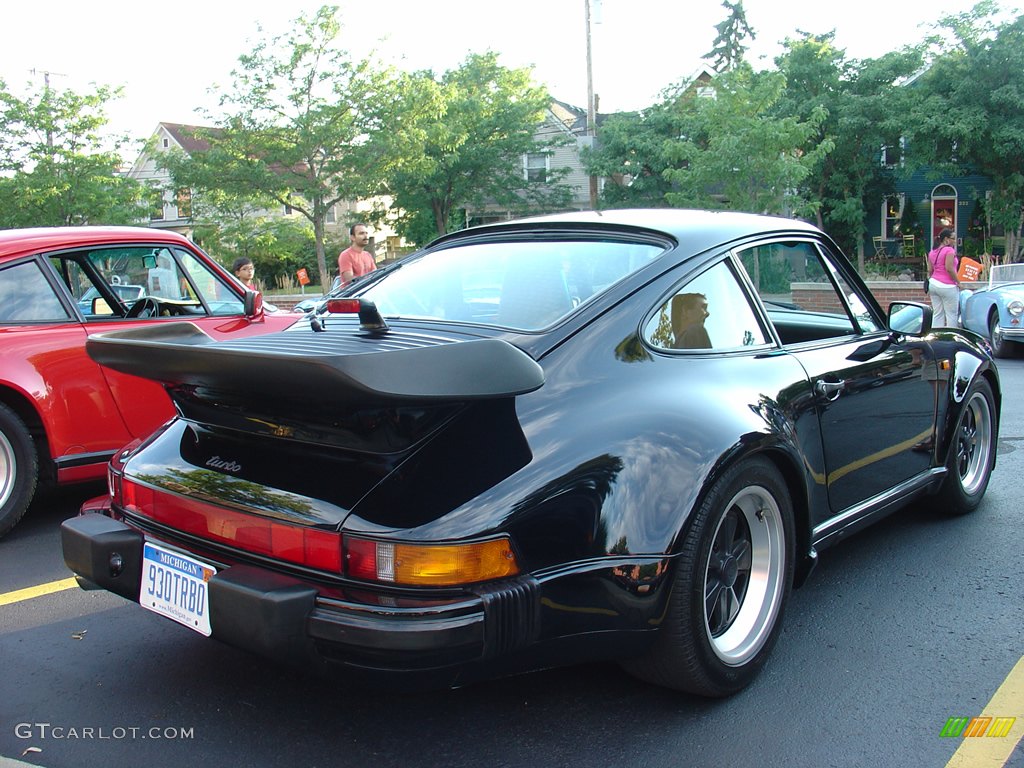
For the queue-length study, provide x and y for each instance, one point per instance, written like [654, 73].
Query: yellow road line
[988, 752]
[38, 591]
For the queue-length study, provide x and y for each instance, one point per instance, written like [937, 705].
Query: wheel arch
[790, 468]
[968, 368]
[25, 410]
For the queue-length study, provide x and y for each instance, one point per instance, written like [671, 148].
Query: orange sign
[969, 270]
[303, 277]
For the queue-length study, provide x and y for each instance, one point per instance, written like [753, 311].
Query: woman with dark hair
[943, 285]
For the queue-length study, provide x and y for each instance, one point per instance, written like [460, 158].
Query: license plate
[175, 585]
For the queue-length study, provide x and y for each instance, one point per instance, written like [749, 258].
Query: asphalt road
[912, 622]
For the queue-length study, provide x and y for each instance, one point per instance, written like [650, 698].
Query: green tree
[728, 48]
[472, 128]
[302, 126]
[972, 117]
[229, 227]
[719, 144]
[631, 154]
[734, 152]
[864, 104]
[57, 167]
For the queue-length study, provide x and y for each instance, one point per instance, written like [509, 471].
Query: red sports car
[62, 417]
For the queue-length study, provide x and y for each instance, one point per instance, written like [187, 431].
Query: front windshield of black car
[526, 285]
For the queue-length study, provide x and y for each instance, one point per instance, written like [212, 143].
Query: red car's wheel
[18, 468]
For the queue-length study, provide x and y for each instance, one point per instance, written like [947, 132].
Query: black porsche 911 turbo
[620, 435]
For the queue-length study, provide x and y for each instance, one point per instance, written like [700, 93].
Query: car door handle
[829, 390]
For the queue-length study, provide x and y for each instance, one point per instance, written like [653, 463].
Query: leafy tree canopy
[715, 146]
[972, 113]
[302, 125]
[864, 104]
[56, 167]
[735, 153]
[474, 125]
[728, 49]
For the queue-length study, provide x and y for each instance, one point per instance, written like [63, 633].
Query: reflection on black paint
[220, 489]
[562, 520]
[632, 350]
[478, 449]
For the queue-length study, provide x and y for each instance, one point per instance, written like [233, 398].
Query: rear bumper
[281, 617]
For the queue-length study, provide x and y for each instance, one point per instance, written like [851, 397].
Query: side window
[129, 273]
[711, 311]
[217, 295]
[163, 277]
[77, 280]
[26, 296]
[92, 295]
[806, 296]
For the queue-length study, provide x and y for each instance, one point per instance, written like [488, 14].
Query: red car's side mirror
[252, 304]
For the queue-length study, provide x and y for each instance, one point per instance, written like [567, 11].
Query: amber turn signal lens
[430, 565]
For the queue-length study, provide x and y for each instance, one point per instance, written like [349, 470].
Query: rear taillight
[297, 544]
[371, 560]
[429, 565]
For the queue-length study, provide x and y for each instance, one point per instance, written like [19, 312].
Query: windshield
[1006, 273]
[526, 285]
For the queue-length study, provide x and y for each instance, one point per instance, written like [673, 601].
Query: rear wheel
[18, 469]
[731, 584]
[972, 451]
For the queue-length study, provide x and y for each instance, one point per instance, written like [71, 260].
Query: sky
[169, 55]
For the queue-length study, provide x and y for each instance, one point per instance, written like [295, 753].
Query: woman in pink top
[943, 285]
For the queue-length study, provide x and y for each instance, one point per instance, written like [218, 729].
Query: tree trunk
[321, 259]
[440, 219]
[1013, 240]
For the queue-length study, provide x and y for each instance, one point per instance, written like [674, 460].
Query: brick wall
[886, 292]
[822, 298]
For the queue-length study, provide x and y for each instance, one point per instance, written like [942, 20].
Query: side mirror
[910, 318]
[252, 304]
[101, 307]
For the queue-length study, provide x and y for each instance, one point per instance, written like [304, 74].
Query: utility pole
[46, 101]
[591, 104]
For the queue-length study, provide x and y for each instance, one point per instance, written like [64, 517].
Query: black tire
[19, 469]
[1000, 346]
[972, 451]
[721, 623]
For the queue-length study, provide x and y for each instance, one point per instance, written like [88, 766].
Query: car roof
[15, 242]
[695, 229]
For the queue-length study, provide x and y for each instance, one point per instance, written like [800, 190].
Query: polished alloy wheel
[8, 469]
[745, 577]
[974, 443]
